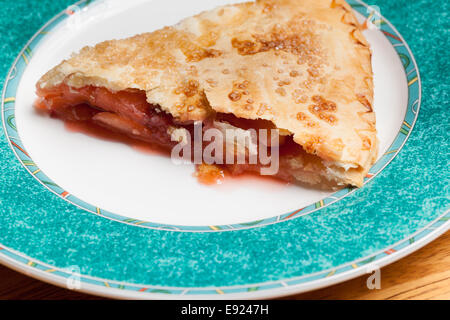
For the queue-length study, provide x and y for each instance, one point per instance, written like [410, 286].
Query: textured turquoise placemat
[35, 222]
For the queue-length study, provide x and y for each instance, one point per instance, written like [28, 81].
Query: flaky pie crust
[302, 64]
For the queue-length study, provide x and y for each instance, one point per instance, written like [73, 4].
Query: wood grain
[422, 275]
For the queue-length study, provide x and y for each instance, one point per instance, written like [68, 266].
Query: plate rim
[429, 233]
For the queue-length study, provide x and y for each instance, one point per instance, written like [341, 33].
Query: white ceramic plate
[118, 179]
[279, 239]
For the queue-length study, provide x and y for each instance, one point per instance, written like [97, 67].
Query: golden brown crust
[302, 64]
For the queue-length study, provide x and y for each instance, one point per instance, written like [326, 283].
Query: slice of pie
[300, 66]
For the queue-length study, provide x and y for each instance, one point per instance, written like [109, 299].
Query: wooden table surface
[424, 274]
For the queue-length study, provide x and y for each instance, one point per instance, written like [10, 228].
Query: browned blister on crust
[302, 64]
